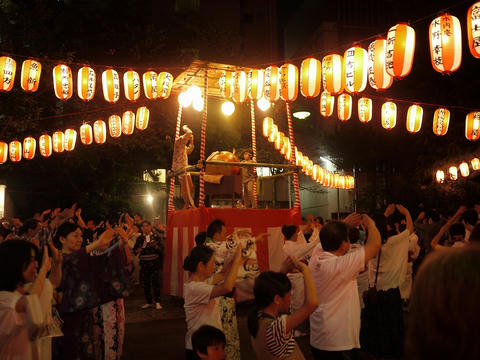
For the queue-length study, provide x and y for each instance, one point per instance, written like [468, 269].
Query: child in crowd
[209, 343]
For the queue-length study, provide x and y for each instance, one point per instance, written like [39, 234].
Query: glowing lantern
[255, 82]
[464, 170]
[164, 84]
[62, 82]
[289, 82]
[70, 139]
[111, 86]
[142, 117]
[310, 77]
[150, 85]
[315, 172]
[400, 50]
[115, 126]
[31, 70]
[267, 126]
[225, 83]
[472, 126]
[310, 168]
[29, 146]
[271, 88]
[263, 104]
[128, 122]
[15, 149]
[58, 139]
[285, 146]
[8, 66]
[305, 161]
[45, 145]
[414, 118]
[344, 107]
[86, 81]
[336, 180]
[475, 164]
[3, 152]
[389, 115]
[453, 173]
[342, 182]
[279, 140]
[350, 182]
[473, 29]
[445, 43]
[364, 109]
[86, 134]
[326, 104]
[100, 131]
[355, 66]
[131, 85]
[332, 74]
[273, 134]
[440, 176]
[441, 120]
[239, 86]
[321, 175]
[378, 77]
[298, 157]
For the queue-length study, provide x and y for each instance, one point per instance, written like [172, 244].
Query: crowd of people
[367, 286]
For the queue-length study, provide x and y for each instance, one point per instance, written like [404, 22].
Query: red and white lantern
[128, 122]
[58, 141]
[15, 149]
[464, 169]
[3, 152]
[441, 120]
[8, 67]
[45, 145]
[267, 126]
[150, 85]
[31, 71]
[115, 126]
[86, 83]
[473, 29]
[100, 131]
[279, 140]
[70, 139]
[288, 82]
[326, 104]
[273, 134]
[355, 69]
[332, 74]
[364, 109]
[111, 86]
[164, 84]
[131, 85]
[475, 163]
[472, 126]
[62, 82]
[400, 50]
[255, 83]
[445, 43]
[414, 118]
[310, 77]
[29, 146]
[86, 134]
[344, 107]
[142, 117]
[225, 82]
[378, 77]
[239, 86]
[271, 88]
[389, 115]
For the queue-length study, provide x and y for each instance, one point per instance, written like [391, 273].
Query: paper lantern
[255, 83]
[70, 139]
[45, 145]
[400, 50]
[273, 134]
[472, 126]
[414, 118]
[305, 161]
[285, 146]
[298, 157]
[473, 29]
[315, 172]
[8, 66]
[100, 131]
[58, 141]
[332, 74]
[378, 77]
[310, 77]
[440, 176]
[344, 107]
[389, 115]
[326, 104]
[464, 169]
[164, 84]
[239, 86]
[31, 71]
[267, 126]
[86, 134]
[288, 82]
[445, 43]
[86, 81]
[453, 173]
[475, 163]
[310, 168]
[115, 126]
[111, 86]
[131, 85]
[29, 146]
[3, 152]
[15, 149]
[142, 117]
[355, 69]
[441, 120]
[336, 180]
[364, 109]
[350, 182]
[271, 89]
[150, 85]
[128, 122]
[62, 82]
[279, 140]
[225, 82]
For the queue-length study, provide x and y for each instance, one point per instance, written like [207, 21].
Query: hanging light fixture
[271, 89]
[62, 81]
[389, 115]
[45, 145]
[29, 146]
[364, 109]
[150, 85]
[288, 82]
[400, 50]
[86, 134]
[255, 82]
[228, 108]
[473, 29]
[445, 43]
[414, 118]
[378, 77]
[355, 69]
[164, 84]
[263, 104]
[441, 120]
[239, 86]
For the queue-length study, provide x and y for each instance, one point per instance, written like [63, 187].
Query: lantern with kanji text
[164, 84]
[355, 69]
[86, 134]
[115, 126]
[239, 86]
[142, 118]
[62, 82]
[364, 109]
[225, 82]
[378, 77]
[29, 146]
[150, 85]
[255, 83]
[326, 104]
[30, 78]
[70, 139]
[472, 126]
[288, 82]
[271, 88]
[86, 83]
[8, 66]
[15, 150]
[389, 115]
[400, 50]
[100, 131]
[441, 120]
[344, 107]
[58, 139]
[45, 145]
[111, 86]
[445, 43]
[131, 85]
[128, 122]
[332, 74]
[473, 29]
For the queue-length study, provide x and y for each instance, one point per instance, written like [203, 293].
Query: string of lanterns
[309, 168]
[66, 140]
[453, 170]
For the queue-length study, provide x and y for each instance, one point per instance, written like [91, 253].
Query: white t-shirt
[393, 262]
[199, 308]
[335, 324]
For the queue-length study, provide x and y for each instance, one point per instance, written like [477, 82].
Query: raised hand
[401, 209]
[354, 219]
[46, 262]
[389, 210]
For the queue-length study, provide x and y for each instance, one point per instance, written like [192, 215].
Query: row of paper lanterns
[155, 86]
[65, 140]
[453, 170]
[386, 59]
[315, 171]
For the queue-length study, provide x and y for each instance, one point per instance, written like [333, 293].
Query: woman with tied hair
[444, 311]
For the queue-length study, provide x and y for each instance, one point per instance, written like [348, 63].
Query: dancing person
[208, 343]
[458, 235]
[248, 178]
[181, 149]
